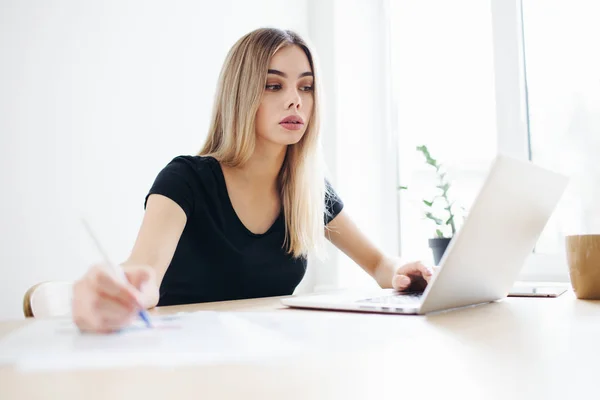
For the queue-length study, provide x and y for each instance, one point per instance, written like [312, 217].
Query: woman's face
[287, 101]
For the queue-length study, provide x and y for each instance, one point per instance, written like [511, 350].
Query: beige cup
[583, 257]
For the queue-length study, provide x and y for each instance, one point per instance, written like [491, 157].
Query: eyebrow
[283, 74]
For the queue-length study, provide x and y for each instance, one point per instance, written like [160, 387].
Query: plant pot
[438, 247]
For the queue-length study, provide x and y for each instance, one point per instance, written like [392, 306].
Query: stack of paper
[196, 338]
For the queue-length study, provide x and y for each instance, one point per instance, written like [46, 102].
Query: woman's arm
[387, 272]
[346, 236]
[156, 242]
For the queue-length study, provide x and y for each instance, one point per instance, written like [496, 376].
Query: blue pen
[117, 270]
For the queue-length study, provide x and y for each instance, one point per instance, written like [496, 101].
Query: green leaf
[431, 161]
[450, 219]
[423, 149]
[428, 203]
[437, 221]
[402, 187]
[428, 159]
[439, 233]
[445, 187]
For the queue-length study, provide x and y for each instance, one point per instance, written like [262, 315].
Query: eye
[273, 87]
[307, 88]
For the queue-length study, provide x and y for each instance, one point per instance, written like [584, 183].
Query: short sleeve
[175, 182]
[333, 203]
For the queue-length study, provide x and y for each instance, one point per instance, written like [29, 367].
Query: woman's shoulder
[185, 179]
[194, 160]
[193, 164]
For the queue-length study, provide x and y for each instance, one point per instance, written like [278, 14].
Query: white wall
[95, 98]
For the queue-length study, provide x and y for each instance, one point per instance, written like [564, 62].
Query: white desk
[518, 348]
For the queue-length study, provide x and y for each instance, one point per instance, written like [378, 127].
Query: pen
[116, 269]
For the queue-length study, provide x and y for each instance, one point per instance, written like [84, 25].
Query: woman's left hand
[413, 276]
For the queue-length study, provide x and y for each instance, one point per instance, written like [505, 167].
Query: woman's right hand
[102, 303]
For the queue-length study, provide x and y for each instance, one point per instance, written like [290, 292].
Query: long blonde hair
[231, 137]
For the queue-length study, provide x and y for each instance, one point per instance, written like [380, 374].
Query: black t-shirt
[217, 257]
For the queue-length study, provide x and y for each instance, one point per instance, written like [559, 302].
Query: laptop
[483, 258]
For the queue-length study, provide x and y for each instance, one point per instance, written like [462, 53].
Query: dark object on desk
[536, 291]
[438, 246]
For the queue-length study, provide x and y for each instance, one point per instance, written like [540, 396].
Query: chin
[284, 138]
[289, 142]
[293, 140]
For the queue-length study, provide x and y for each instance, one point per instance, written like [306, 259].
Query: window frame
[512, 115]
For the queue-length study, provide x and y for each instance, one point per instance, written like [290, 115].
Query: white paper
[198, 338]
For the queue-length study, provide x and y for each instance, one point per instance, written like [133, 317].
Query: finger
[112, 308]
[108, 285]
[82, 307]
[107, 316]
[401, 282]
[425, 271]
[94, 311]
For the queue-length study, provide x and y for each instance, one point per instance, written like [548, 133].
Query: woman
[239, 219]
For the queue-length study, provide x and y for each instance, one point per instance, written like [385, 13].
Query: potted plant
[444, 220]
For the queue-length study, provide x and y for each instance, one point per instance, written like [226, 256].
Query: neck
[262, 169]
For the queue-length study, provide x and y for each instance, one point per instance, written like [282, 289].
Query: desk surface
[524, 348]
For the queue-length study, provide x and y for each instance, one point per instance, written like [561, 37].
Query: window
[544, 51]
[443, 74]
[562, 66]
[472, 78]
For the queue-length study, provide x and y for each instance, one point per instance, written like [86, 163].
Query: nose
[294, 100]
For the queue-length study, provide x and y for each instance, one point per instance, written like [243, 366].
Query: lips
[292, 123]
[292, 119]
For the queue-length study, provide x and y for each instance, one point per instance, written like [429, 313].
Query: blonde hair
[231, 136]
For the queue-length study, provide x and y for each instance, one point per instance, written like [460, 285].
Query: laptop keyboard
[409, 298]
